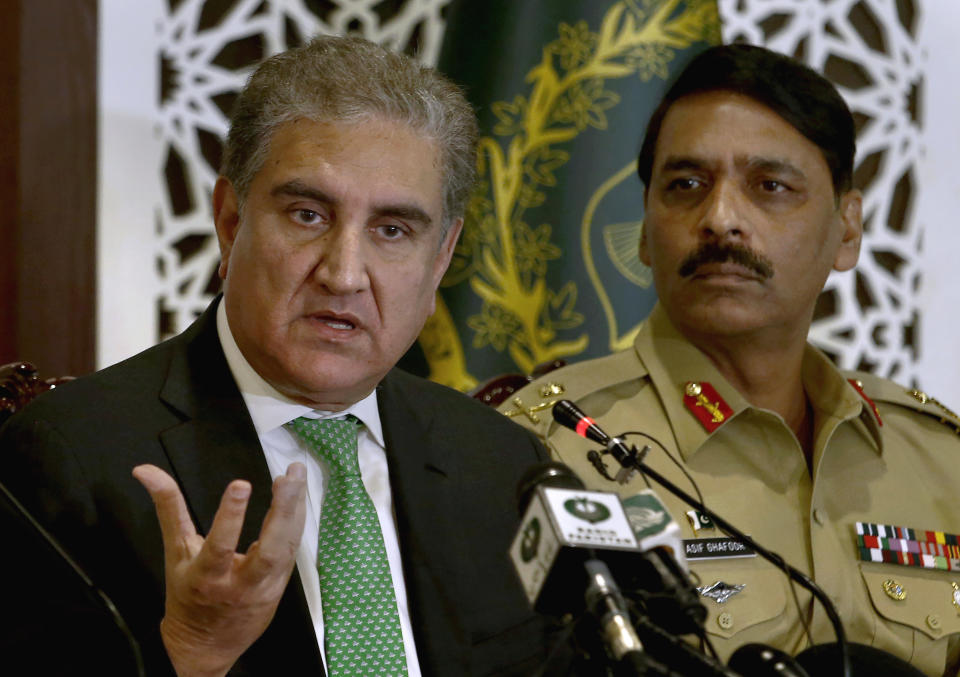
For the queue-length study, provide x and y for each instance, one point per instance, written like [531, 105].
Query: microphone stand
[630, 459]
[606, 605]
[617, 629]
[93, 592]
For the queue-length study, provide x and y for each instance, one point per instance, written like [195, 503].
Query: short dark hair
[802, 97]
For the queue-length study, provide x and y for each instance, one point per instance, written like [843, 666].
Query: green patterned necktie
[360, 620]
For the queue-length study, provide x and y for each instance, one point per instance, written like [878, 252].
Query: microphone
[563, 526]
[759, 660]
[549, 474]
[568, 540]
[654, 526]
[821, 659]
[605, 602]
[661, 582]
[571, 539]
[569, 415]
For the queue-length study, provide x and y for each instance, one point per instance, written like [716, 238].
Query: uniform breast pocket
[761, 599]
[918, 610]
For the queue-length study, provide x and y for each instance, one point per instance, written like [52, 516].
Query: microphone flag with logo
[561, 528]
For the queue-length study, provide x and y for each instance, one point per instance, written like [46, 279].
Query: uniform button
[819, 517]
[725, 620]
[933, 621]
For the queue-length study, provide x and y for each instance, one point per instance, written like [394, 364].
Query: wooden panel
[9, 128]
[56, 252]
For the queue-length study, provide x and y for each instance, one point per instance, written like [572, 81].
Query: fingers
[219, 548]
[274, 552]
[276, 549]
[175, 523]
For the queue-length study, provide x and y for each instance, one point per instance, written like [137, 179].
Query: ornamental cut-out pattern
[868, 319]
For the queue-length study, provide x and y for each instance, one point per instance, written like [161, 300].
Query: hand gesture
[218, 601]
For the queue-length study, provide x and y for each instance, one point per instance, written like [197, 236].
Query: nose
[725, 214]
[342, 267]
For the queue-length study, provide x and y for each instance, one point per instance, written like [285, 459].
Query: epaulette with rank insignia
[873, 388]
[703, 401]
[531, 404]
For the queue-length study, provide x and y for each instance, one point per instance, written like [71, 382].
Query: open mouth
[337, 322]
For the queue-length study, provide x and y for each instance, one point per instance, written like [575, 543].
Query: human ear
[851, 220]
[642, 247]
[226, 220]
[444, 255]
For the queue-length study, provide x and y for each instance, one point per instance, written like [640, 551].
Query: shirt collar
[269, 409]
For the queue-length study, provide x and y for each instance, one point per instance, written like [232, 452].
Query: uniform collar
[834, 399]
[672, 362]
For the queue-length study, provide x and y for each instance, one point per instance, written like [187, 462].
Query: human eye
[773, 186]
[684, 184]
[391, 231]
[683, 189]
[306, 217]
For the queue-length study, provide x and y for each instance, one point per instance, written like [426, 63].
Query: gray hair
[351, 80]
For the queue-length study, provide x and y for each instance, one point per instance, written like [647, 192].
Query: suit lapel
[423, 479]
[214, 444]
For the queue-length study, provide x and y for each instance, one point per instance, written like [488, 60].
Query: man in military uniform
[747, 167]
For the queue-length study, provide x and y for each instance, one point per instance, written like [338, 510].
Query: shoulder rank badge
[951, 418]
[705, 403]
[923, 398]
[858, 386]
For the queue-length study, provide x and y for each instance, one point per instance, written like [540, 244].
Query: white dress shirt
[270, 410]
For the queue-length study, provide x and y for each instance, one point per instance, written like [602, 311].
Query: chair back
[19, 384]
[498, 389]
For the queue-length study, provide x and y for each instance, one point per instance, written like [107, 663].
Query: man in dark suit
[345, 177]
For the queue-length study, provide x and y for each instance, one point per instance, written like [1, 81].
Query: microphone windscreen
[760, 660]
[824, 659]
[569, 415]
[550, 474]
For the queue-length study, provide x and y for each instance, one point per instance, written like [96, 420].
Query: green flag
[547, 266]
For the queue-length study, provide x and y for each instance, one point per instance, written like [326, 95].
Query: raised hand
[218, 601]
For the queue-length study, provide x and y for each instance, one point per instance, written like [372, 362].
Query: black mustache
[712, 252]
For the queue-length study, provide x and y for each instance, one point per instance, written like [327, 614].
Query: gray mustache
[722, 253]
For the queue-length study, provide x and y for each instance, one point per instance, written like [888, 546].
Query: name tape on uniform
[716, 548]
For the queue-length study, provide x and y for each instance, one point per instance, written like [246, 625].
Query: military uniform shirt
[898, 464]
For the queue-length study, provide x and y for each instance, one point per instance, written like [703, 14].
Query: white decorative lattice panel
[206, 49]
[867, 319]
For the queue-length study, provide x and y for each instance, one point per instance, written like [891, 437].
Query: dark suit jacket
[454, 466]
